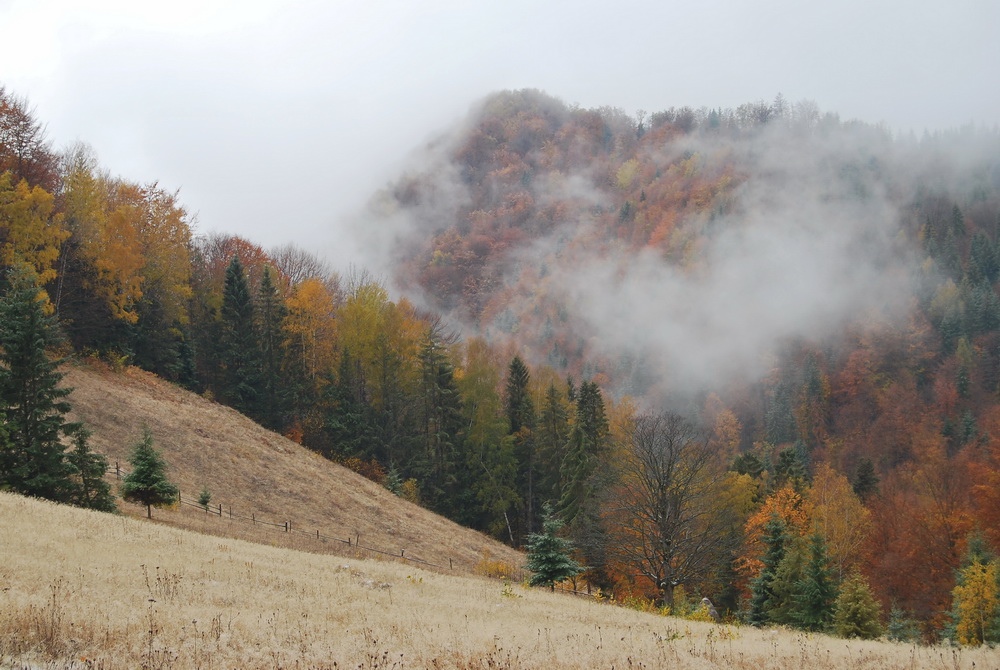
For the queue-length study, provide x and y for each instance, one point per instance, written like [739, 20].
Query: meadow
[81, 589]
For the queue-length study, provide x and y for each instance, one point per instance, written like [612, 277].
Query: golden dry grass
[253, 471]
[81, 589]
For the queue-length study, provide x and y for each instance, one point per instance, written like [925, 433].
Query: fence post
[118, 470]
[220, 510]
[286, 526]
[230, 511]
[401, 552]
[253, 518]
[450, 566]
[317, 533]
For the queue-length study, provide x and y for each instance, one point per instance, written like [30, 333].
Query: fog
[277, 121]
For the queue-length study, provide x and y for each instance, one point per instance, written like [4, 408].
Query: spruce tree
[240, 353]
[761, 593]
[817, 591]
[147, 484]
[549, 555]
[273, 396]
[520, 410]
[90, 489]
[856, 612]
[34, 462]
[866, 480]
[441, 426]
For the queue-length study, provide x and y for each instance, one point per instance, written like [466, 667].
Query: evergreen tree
[520, 411]
[901, 628]
[441, 424]
[273, 403]
[786, 584]
[147, 484]
[761, 594]
[817, 591]
[549, 555]
[34, 462]
[204, 497]
[856, 612]
[865, 480]
[348, 419]
[90, 490]
[240, 353]
[550, 441]
[517, 401]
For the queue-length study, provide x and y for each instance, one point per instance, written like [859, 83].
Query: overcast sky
[277, 120]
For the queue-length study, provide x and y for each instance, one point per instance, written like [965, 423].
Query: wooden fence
[118, 471]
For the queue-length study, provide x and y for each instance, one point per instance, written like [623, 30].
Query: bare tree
[674, 526]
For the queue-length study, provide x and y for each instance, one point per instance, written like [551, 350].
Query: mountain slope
[253, 471]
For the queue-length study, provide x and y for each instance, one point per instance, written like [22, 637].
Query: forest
[751, 354]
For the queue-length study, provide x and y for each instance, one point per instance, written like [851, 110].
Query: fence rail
[118, 471]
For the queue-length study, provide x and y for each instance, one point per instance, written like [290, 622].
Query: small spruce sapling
[147, 484]
[204, 498]
[549, 555]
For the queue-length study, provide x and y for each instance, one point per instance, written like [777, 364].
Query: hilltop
[253, 471]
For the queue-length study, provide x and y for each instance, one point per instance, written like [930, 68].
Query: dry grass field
[81, 589]
[254, 472]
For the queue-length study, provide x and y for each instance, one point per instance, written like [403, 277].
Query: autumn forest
[751, 354]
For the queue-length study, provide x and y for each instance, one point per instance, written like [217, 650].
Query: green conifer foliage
[856, 612]
[817, 591]
[240, 353]
[34, 462]
[549, 555]
[147, 484]
[761, 593]
[274, 392]
[91, 491]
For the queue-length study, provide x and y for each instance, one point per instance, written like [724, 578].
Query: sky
[277, 121]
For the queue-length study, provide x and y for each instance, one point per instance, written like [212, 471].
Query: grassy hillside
[81, 589]
[253, 471]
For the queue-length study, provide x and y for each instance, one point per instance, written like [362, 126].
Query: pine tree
[856, 612]
[147, 484]
[35, 462]
[549, 555]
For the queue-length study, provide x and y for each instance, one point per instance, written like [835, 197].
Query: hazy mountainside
[252, 470]
[683, 250]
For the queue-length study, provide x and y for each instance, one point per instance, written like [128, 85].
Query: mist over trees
[751, 354]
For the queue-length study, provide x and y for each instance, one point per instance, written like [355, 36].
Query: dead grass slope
[253, 471]
[82, 589]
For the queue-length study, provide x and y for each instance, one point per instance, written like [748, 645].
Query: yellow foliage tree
[311, 327]
[29, 230]
[977, 599]
[839, 516]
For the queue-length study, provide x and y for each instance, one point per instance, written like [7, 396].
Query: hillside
[254, 471]
[81, 589]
